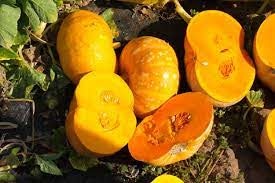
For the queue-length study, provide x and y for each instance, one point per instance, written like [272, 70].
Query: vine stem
[261, 9]
[181, 11]
[246, 113]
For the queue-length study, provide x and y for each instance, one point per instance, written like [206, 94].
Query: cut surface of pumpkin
[149, 65]
[175, 131]
[101, 119]
[263, 50]
[166, 178]
[84, 44]
[268, 138]
[215, 60]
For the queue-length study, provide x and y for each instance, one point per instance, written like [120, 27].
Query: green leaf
[108, 16]
[8, 24]
[12, 160]
[58, 2]
[82, 163]
[47, 166]
[7, 177]
[58, 139]
[52, 156]
[23, 78]
[255, 98]
[21, 38]
[40, 11]
[7, 54]
[8, 2]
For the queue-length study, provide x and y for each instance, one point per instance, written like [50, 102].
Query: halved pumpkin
[149, 65]
[84, 44]
[268, 139]
[264, 54]
[215, 59]
[165, 178]
[101, 119]
[175, 131]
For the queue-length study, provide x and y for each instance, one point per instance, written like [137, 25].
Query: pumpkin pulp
[101, 117]
[175, 124]
[215, 59]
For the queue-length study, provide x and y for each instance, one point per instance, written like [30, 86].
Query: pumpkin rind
[149, 65]
[84, 44]
[263, 50]
[268, 139]
[103, 123]
[215, 60]
[163, 138]
[166, 178]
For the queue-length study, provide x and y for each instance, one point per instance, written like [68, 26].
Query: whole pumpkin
[149, 65]
[166, 178]
[264, 52]
[84, 44]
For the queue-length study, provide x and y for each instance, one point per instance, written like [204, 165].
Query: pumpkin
[268, 139]
[166, 178]
[149, 65]
[101, 119]
[216, 62]
[263, 50]
[84, 44]
[175, 131]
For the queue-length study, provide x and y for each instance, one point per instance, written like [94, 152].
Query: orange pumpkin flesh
[101, 119]
[175, 131]
[263, 50]
[215, 60]
[84, 44]
[268, 139]
[149, 66]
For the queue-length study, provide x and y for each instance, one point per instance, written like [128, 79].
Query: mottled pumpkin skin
[215, 60]
[263, 50]
[84, 44]
[268, 139]
[166, 178]
[149, 65]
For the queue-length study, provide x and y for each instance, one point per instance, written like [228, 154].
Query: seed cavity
[227, 68]
[109, 97]
[108, 121]
[179, 121]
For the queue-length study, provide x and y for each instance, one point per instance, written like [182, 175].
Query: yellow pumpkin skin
[84, 44]
[263, 50]
[215, 60]
[101, 120]
[268, 139]
[149, 65]
[166, 178]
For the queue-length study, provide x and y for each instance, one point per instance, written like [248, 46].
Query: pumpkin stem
[181, 11]
[116, 45]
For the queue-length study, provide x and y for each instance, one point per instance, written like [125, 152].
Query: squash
[101, 120]
[268, 139]
[263, 50]
[165, 178]
[149, 65]
[84, 44]
[215, 60]
[175, 131]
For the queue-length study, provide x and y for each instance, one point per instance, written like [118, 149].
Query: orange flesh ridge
[223, 59]
[196, 111]
[271, 128]
[265, 41]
